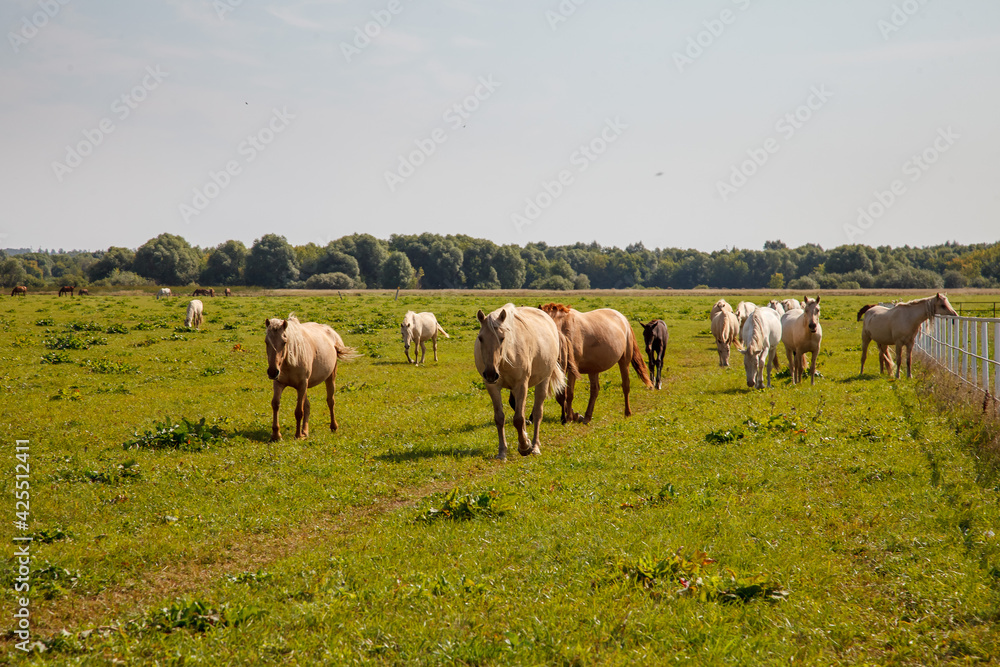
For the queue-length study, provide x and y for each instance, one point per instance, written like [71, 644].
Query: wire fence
[962, 346]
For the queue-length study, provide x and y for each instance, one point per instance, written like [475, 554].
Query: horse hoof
[500, 457]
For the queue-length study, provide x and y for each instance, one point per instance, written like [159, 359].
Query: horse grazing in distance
[802, 333]
[597, 340]
[66, 289]
[20, 290]
[761, 334]
[300, 355]
[201, 291]
[164, 292]
[83, 291]
[519, 348]
[656, 336]
[725, 329]
[418, 328]
[743, 310]
[229, 292]
[790, 304]
[898, 326]
[195, 314]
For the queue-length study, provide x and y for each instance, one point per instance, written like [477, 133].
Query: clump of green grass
[188, 436]
[723, 435]
[53, 581]
[117, 329]
[56, 358]
[105, 366]
[196, 616]
[677, 576]
[213, 370]
[66, 342]
[250, 578]
[468, 506]
[431, 587]
[50, 535]
[44, 322]
[664, 495]
[84, 326]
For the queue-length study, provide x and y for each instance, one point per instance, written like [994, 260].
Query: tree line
[433, 261]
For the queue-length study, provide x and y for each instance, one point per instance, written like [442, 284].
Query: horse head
[811, 308]
[942, 306]
[275, 341]
[406, 330]
[489, 343]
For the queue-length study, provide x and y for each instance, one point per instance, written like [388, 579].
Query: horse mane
[294, 343]
[756, 344]
[865, 309]
[722, 306]
[552, 308]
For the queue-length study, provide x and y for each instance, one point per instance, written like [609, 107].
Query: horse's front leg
[812, 367]
[494, 391]
[595, 389]
[275, 404]
[909, 354]
[865, 340]
[301, 412]
[626, 384]
[423, 351]
[520, 393]
[899, 360]
[331, 387]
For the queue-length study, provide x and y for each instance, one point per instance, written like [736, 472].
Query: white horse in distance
[791, 304]
[164, 292]
[419, 328]
[194, 314]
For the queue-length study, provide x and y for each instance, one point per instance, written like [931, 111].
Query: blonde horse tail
[637, 361]
[567, 361]
[441, 330]
[345, 353]
[557, 380]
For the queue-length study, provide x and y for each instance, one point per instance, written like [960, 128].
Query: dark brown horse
[655, 335]
[20, 290]
[203, 292]
[597, 340]
[66, 289]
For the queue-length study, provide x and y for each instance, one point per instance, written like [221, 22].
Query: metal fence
[962, 346]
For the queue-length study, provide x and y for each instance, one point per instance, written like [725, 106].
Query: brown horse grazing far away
[66, 289]
[898, 326]
[20, 290]
[597, 340]
[83, 291]
[302, 355]
[229, 292]
[656, 337]
[201, 291]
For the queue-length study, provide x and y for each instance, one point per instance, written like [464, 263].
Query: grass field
[843, 523]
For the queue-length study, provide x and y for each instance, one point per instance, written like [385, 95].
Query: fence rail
[962, 346]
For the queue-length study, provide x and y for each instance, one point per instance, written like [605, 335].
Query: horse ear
[284, 324]
[502, 316]
[267, 323]
[481, 315]
[817, 298]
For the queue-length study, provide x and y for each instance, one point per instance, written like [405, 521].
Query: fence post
[996, 358]
[972, 350]
[985, 336]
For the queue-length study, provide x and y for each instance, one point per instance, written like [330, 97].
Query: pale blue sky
[671, 134]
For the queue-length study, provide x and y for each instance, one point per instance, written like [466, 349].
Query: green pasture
[843, 523]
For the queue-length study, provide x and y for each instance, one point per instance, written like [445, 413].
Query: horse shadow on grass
[861, 378]
[431, 452]
[256, 434]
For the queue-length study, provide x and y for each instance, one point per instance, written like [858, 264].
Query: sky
[709, 125]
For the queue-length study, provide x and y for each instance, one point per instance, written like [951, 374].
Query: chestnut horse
[66, 289]
[656, 336]
[201, 291]
[898, 326]
[20, 290]
[597, 340]
[301, 355]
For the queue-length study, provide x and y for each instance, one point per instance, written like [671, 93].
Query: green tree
[396, 271]
[370, 253]
[226, 264]
[167, 259]
[12, 272]
[509, 267]
[777, 281]
[114, 258]
[272, 262]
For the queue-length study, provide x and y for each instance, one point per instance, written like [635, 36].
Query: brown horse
[302, 355]
[203, 292]
[229, 292]
[656, 336]
[20, 290]
[898, 326]
[66, 289]
[597, 340]
[83, 291]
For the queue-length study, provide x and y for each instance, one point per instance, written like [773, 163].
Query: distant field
[845, 522]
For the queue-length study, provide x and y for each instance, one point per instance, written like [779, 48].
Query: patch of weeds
[230, 327]
[105, 366]
[44, 322]
[56, 358]
[785, 372]
[149, 326]
[721, 436]
[211, 370]
[117, 329]
[661, 497]
[72, 394]
[877, 475]
[65, 342]
[197, 616]
[382, 321]
[121, 389]
[83, 326]
[872, 432]
[20, 340]
[149, 340]
[431, 587]
[186, 436]
[174, 336]
[677, 576]
[469, 506]
[97, 341]
[50, 535]
[53, 581]
[373, 350]
[250, 578]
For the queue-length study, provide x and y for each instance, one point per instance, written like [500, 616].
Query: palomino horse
[801, 333]
[656, 336]
[229, 292]
[518, 348]
[300, 355]
[418, 328]
[164, 292]
[195, 314]
[743, 310]
[777, 307]
[761, 334]
[898, 326]
[20, 290]
[66, 289]
[597, 340]
[884, 356]
[725, 329]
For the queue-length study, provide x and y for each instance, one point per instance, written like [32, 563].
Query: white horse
[761, 334]
[777, 307]
[898, 326]
[519, 348]
[743, 310]
[791, 304]
[725, 329]
[164, 292]
[419, 328]
[802, 333]
[194, 314]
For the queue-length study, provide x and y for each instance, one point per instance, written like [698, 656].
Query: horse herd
[549, 347]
